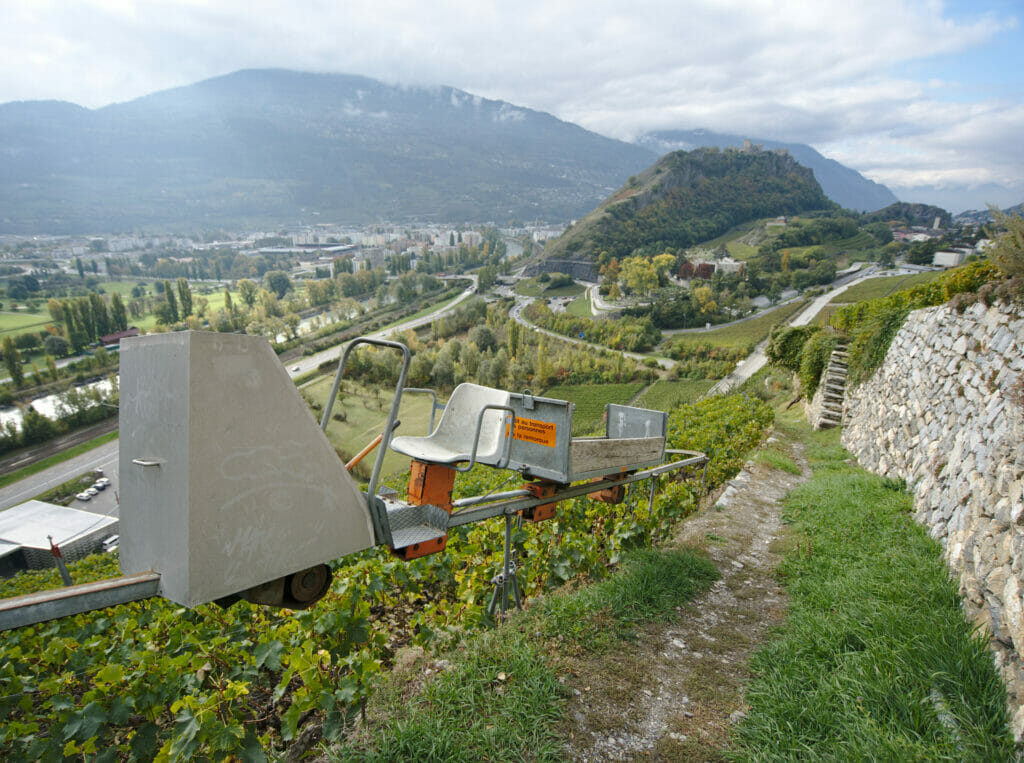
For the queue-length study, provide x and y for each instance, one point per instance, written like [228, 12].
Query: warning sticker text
[531, 430]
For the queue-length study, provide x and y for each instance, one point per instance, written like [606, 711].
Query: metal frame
[377, 512]
[73, 600]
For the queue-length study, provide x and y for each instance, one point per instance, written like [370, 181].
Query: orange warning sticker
[532, 430]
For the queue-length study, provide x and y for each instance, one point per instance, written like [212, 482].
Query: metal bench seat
[456, 439]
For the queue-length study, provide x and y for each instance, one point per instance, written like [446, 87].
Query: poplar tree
[118, 316]
[12, 359]
[185, 297]
[172, 303]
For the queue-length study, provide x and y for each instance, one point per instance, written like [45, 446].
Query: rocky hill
[845, 186]
[689, 197]
[921, 215]
[263, 148]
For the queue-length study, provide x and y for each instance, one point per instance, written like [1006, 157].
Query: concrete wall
[945, 412]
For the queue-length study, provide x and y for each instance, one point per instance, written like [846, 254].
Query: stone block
[1013, 611]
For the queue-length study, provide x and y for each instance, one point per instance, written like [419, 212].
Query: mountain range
[266, 148]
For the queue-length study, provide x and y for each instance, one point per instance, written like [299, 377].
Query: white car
[83, 497]
[296, 369]
[91, 491]
[102, 483]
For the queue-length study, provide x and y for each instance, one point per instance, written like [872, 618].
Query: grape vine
[152, 680]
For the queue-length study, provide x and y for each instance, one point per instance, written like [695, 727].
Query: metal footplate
[417, 530]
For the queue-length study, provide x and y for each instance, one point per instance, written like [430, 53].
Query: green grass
[651, 584]
[876, 660]
[581, 306]
[777, 460]
[665, 395]
[21, 321]
[124, 287]
[742, 335]
[874, 288]
[824, 316]
[738, 250]
[55, 459]
[501, 698]
[533, 288]
[590, 400]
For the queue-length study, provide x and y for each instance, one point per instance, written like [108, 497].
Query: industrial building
[26, 529]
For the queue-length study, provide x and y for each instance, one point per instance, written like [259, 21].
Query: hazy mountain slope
[267, 147]
[845, 186]
[984, 216]
[689, 197]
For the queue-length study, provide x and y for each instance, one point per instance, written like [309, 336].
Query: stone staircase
[831, 390]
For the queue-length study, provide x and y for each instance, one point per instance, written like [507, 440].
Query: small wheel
[306, 586]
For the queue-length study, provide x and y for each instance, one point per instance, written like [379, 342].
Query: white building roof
[7, 548]
[29, 523]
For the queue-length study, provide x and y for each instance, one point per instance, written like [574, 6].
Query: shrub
[813, 358]
[786, 343]
[1008, 252]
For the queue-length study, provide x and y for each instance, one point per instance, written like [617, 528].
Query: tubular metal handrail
[434, 408]
[389, 427]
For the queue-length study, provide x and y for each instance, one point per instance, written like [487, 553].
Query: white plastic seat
[452, 440]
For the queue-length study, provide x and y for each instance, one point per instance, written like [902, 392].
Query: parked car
[296, 369]
[83, 496]
[101, 484]
[91, 491]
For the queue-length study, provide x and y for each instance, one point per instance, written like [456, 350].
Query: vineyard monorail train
[230, 490]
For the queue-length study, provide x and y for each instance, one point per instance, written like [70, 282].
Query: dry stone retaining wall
[945, 413]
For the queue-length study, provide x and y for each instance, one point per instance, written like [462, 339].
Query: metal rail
[73, 600]
[515, 505]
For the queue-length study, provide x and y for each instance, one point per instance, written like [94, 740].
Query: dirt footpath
[673, 694]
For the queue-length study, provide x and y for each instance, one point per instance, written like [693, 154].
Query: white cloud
[824, 73]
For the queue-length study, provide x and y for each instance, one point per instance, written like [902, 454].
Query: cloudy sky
[925, 96]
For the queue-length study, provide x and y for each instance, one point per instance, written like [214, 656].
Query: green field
[731, 240]
[580, 306]
[874, 288]
[18, 322]
[366, 410]
[741, 335]
[590, 400]
[665, 395]
[824, 317]
[21, 321]
[859, 241]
